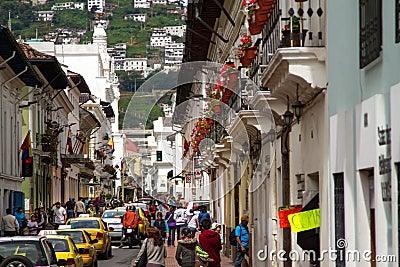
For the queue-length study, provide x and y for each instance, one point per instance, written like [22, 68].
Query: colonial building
[16, 79]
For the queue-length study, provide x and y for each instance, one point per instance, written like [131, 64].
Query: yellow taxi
[97, 229]
[83, 242]
[66, 252]
[143, 221]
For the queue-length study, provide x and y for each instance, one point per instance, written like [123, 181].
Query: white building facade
[141, 3]
[176, 30]
[137, 64]
[137, 17]
[100, 4]
[159, 38]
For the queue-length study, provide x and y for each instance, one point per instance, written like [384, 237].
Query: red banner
[283, 215]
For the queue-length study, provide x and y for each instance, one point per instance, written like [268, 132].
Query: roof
[107, 108]
[79, 82]
[8, 45]
[21, 238]
[48, 65]
[87, 121]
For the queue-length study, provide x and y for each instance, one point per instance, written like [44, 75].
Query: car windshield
[141, 205]
[113, 214]
[79, 224]
[77, 236]
[28, 249]
[59, 245]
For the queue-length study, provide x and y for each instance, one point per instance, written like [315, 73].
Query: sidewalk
[171, 262]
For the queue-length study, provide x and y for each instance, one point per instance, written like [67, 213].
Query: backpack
[232, 236]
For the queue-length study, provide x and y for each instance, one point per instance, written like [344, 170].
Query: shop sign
[283, 213]
[304, 220]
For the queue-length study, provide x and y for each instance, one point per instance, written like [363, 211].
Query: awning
[87, 121]
[48, 66]
[8, 45]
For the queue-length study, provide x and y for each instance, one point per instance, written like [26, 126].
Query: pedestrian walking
[70, 207]
[193, 222]
[42, 219]
[60, 215]
[162, 225]
[80, 207]
[154, 247]
[242, 238]
[180, 219]
[186, 251]
[9, 224]
[217, 228]
[203, 215]
[102, 205]
[33, 225]
[211, 243]
[91, 210]
[22, 221]
[169, 217]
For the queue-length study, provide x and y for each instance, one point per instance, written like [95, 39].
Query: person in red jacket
[211, 243]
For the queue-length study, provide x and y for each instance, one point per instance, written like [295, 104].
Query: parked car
[66, 250]
[84, 243]
[27, 251]
[97, 230]
[113, 218]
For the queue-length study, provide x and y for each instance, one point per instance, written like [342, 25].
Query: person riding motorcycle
[129, 220]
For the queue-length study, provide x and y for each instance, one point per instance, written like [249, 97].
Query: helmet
[131, 207]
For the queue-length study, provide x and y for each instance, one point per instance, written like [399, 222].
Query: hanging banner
[305, 220]
[283, 213]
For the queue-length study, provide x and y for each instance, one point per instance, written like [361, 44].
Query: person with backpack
[242, 240]
[169, 217]
[161, 225]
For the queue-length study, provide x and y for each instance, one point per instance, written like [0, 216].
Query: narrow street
[122, 257]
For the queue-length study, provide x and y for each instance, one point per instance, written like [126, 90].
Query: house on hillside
[174, 53]
[100, 4]
[141, 3]
[44, 15]
[159, 38]
[137, 17]
[176, 30]
[137, 64]
[160, 2]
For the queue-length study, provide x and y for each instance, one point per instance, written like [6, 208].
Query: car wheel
[16, 261]
[110, 251]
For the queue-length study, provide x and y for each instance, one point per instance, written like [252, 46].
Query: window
[339, 214]
[397, 21]
[370, 31]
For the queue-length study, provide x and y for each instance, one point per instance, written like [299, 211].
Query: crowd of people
[192, 231]
[18, 223]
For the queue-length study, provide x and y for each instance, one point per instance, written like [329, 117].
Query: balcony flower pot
[250, 52]
[226, 96]
[254, 28]
[245, 61]
[261, 16]
[296, 38]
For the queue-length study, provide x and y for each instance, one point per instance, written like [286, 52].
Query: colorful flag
[26, 147]
[111, 145]
[69, 143]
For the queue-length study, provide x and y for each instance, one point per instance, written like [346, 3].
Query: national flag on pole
[26, 147]
[111, 145]
[69, 143]
[26, 157]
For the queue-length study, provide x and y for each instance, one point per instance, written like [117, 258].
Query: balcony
[292, 51]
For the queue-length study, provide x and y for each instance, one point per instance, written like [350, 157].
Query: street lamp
[298, 106]
[288, 115]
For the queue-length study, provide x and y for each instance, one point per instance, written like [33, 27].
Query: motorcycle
[131, 237]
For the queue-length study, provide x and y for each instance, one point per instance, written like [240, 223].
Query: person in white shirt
[33, 226]
[180, 218]
[193, 223]
[60, 215]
